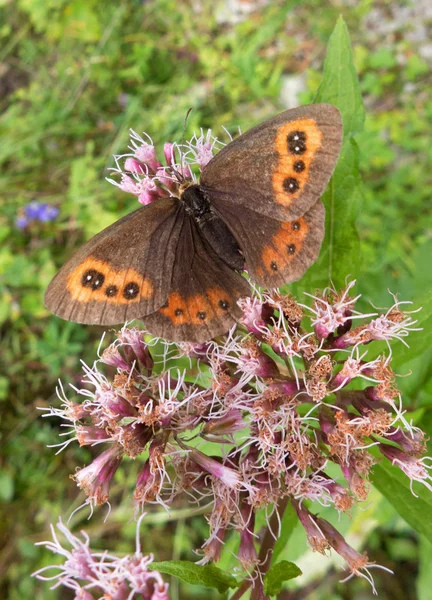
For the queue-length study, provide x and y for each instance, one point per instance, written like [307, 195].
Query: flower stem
[241, 590]
[266, 551]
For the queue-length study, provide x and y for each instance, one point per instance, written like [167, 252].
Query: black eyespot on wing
[291, 248]
[111, 291]
[201, 315]
[295, 226]
[178, 312]
[273, 266]
[224, 304]
[296, 142]
[299, 166]
[291, 185]
[92, 279]
[130, 290]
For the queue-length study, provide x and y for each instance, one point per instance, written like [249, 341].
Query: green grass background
[74, 76]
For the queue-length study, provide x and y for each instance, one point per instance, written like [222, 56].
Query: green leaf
[395, 486]
[289, 521]
[340, 252]
[207, 575]
[6, 486]
[343, 199]
[340, 85]
[424, 579]
[415, 67]
[384, 58]
[282, 571]
[4, 390]
[419, 341]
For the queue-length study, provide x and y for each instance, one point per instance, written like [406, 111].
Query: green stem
[266, 551]
[241, 590]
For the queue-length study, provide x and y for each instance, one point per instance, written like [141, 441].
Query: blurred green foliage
[75, 75]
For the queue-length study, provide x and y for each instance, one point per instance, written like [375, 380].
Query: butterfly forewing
[281, 167]
[203, 298]
[122, 273]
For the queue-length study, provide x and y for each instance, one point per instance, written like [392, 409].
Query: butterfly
[176, 263]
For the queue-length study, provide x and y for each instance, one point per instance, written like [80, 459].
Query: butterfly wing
[281, 167]
[122, 273]
[276, 252]
[204, 291]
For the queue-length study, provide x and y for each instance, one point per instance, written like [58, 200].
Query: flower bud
[134, 166]
[225, 474]
[147, 155]
[95, 479]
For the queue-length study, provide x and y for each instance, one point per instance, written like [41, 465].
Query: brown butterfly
[176, 262]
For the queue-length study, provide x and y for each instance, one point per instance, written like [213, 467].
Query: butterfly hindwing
[276, 252]
[281, 167]
[204, 291]
[122, 273]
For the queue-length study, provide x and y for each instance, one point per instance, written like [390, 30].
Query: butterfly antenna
[189, 110]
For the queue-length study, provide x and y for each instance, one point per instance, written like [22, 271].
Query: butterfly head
[183, 184]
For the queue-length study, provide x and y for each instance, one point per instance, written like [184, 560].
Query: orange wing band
[296, 143]
[95, 279]
[198, 309]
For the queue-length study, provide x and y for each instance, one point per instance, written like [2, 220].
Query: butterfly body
[197, 203]
[176, 262]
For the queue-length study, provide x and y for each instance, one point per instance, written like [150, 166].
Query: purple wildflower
[226, 475]
[142, 174]
[50, 213]
[34, 210]
[322, 536]
[37, 211]
[282, 396]
[95, 575]
[417, 469]
[22, 222]
[95, 479]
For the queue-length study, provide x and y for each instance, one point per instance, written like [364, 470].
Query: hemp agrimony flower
[97, 575]
[287, 395]
[143, 175]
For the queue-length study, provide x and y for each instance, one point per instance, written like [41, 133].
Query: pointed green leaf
[395, 486]
[340, 85]
[208, 575]
[340, 255]
[275, 577]
[340, 252]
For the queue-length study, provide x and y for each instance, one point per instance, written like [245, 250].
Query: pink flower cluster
[100, 575]
[142, 174]
[255, 419]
